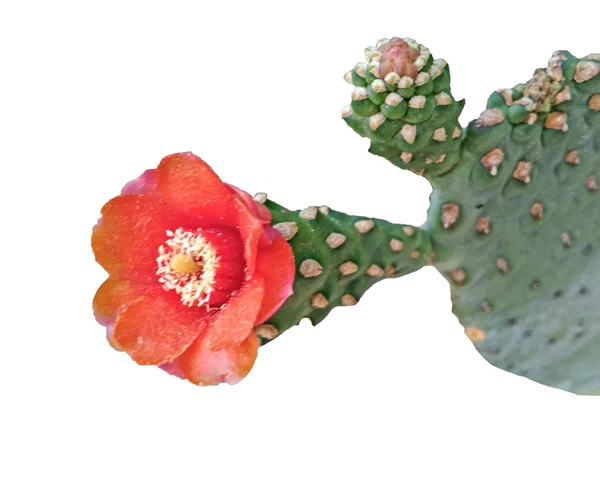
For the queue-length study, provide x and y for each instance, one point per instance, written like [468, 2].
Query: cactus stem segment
[523, 256]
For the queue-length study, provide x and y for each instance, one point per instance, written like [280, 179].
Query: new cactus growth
[513, 221]
[402, 102]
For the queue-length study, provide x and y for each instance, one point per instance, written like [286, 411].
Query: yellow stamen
[182, 264]
[187, 263]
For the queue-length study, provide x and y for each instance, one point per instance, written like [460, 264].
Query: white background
[93, 93]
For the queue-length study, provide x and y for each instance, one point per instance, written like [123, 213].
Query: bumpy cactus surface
[338, 257]
[513, 222]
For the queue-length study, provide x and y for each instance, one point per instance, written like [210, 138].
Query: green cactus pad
[338, 257]
[515, 227]
[514, 211]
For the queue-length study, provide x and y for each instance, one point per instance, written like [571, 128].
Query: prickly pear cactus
[515, 213]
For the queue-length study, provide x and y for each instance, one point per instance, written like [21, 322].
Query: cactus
[338, 257]
[513, 218]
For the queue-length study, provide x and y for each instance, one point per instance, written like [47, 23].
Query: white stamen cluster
[194, 286]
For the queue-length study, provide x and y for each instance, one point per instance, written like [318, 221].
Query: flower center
[183, 264]
[188, 263]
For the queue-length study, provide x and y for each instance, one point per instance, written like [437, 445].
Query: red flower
[194, 265]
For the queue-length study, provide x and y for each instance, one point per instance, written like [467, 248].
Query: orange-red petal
[235, 319]
[251, 230]
[192, 187]
[146, 184]
[126, 239]
[113, 296]
[276, 264]
[259, 209]
[157, 329]
[203, 366]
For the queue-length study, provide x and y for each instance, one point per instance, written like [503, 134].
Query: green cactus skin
[515, 224]
[338, 257]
